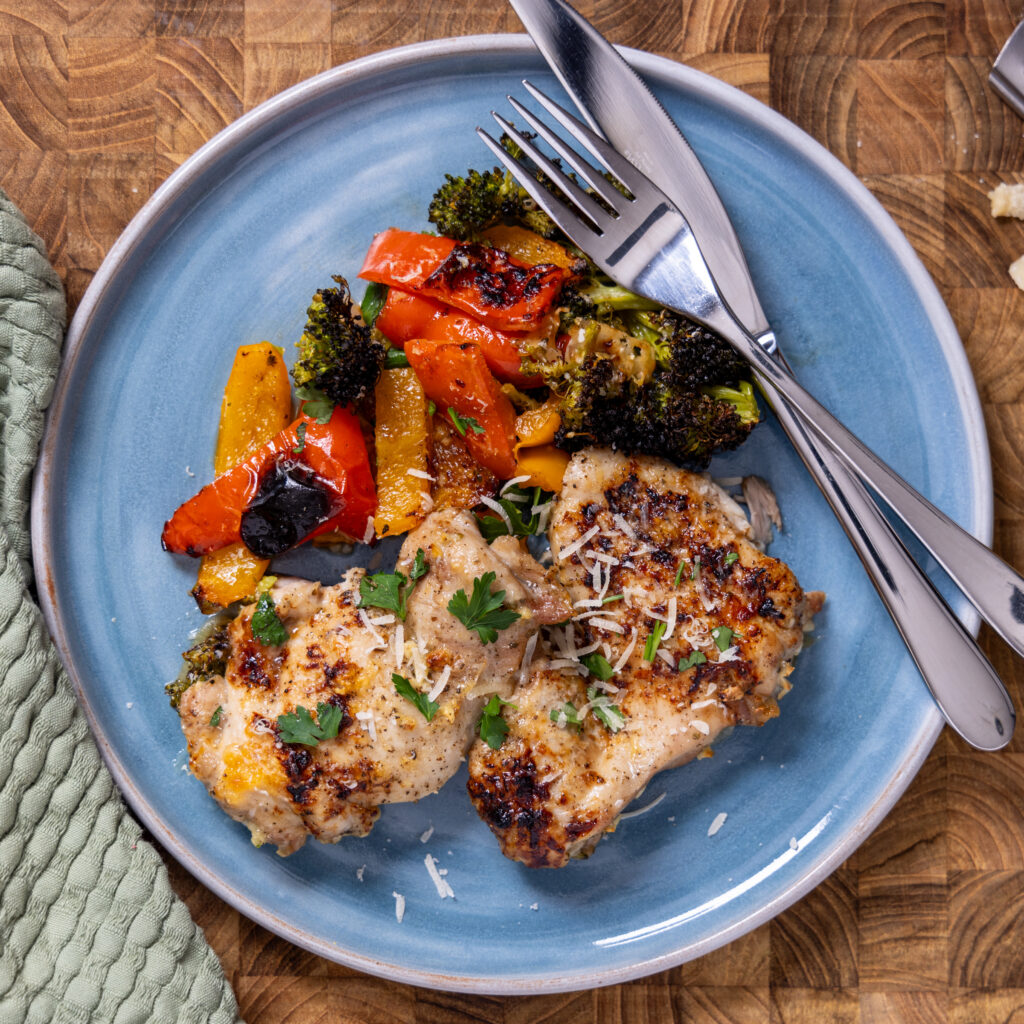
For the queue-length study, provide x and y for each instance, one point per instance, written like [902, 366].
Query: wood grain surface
[101, 99]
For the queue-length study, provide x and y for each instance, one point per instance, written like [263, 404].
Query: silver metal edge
[408, 56]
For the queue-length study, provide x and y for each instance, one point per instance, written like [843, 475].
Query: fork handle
[991, 585]
[963, 682]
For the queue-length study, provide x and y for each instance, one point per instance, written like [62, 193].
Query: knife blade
[638, 126]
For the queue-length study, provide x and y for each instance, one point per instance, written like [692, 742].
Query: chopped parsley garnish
[215, 717]
[608, 714]
[315, 404]
[612, 597]
[493, 728]
[461, 423]
[597, 665]
[484, 611]
[373, 302]
[300, 727]
[731, 557]
[695, 658]
[426, 706]
[518, 505]
[266, 626]
[722, 635]
[431, 407]
[566, 715]
[300, 436]
[654, 640]
[390, 590]
[395, 359]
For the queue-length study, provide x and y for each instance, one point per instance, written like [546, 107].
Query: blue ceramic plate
[229, 251]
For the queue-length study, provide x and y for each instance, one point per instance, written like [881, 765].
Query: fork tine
[568, 187]
[590, 174]
[620, 167]
[567, 219]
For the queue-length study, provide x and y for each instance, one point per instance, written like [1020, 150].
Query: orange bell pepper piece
[457, 378]
[336, 454]
[545, 466]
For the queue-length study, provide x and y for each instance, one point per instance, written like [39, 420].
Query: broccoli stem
[616, 297]
[742, 400]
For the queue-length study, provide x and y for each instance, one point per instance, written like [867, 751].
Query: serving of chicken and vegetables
[575, 605]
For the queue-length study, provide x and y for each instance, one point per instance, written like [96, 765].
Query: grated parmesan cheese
[624, 657]
[399, 905]
[622, 523]
[607, 624]
[378, 640]
[438, 688]
[368, 532]
[666, 657]
[643, 810]
[524, 667]
[730, 654]
[359, 872]
[426, 835]
[512, 483]
[420, 474]
[382, 620]
[567, 552]
[717, 823]
[496, 506]
[443, 888]
[369, 723]
[702, 727]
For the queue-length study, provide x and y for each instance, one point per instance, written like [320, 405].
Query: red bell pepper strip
[406, 316]
[335, 451]
[456, 376]
[487, 283]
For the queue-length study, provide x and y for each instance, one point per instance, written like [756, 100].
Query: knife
[615, 102]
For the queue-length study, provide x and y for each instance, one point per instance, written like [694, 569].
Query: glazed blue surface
[229, 253]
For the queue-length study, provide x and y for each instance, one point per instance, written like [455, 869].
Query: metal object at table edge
[1007, 74]
[617, 104]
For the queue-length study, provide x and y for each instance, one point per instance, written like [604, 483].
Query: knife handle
[961, 679]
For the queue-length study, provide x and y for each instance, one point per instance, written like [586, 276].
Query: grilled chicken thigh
[342, 656]
[698, 624]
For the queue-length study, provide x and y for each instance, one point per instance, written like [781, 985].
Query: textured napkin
[90, 930]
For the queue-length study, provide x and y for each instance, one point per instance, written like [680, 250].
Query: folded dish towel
[90, 930]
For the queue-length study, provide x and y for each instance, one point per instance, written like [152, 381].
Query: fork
[646, 244]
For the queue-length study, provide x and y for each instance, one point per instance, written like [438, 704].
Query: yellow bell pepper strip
[538, 426]
[528, 247]
[401, 438]
[257, 404]
[544, 465]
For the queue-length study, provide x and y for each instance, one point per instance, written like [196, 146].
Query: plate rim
[413, 55]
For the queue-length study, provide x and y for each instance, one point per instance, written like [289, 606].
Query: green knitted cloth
[90, 930]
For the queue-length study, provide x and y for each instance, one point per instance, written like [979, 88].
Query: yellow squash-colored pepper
[538, 426]
[401, 438]
[544, 465]
[528, 247]
[257, 405]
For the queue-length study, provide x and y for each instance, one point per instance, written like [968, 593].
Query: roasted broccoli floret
[204, 660]
[338, 356]
[651, 382]
[463, 207]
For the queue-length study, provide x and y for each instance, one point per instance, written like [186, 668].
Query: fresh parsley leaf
[390, 590]
[462, 422]
[427, 707]
[608, 714]
[493, 728]
[695, 658]
[568, 713]
[215, 717]
[431, 407]
[484, 611]
[373, 302]
[300, 435]
[266, 626]
[731, 557]
[518, 505]
[722, 635]
[315, 404]
[597, 665]
[654, 640]
[299, 727]
[419, 566]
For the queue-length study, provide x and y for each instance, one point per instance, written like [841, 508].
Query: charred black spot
[512, 798]
[768, 610]
[664, 557]
[575, 829]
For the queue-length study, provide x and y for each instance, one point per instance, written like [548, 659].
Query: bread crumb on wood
[1007, 201]
[1017, 272]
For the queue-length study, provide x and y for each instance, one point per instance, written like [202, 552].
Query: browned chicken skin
[338, 654]
[676, 548]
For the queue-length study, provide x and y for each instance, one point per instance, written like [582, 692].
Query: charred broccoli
[651, 382]
[465, 206]
[338, 356]
[206, 659]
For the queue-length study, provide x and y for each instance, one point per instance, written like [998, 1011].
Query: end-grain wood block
[298, 21]
[982, 132]
[979, 27]
[978, 248]
[201, 19]
[982, 1006]
[815, 28]
[903, 1008]
[900, 116]
[896, 30]
[989, 321]
[727, 26]
[450, 1008]
[110, 19]
[356, 1000]
[986, 929]
[814, 942]
[916, 203]
[636, 25]
[711, 1005]
[1005, 425]
[198, 93]
[33, 93]
[985, 793]
[565, 1008]
[264, 954]
[111, 84]
[37, 180]
[641, 1002]
[742, 962]
[820, 95]
[28, 17]
[750, 72]
[271, 68]
[814, 1006]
